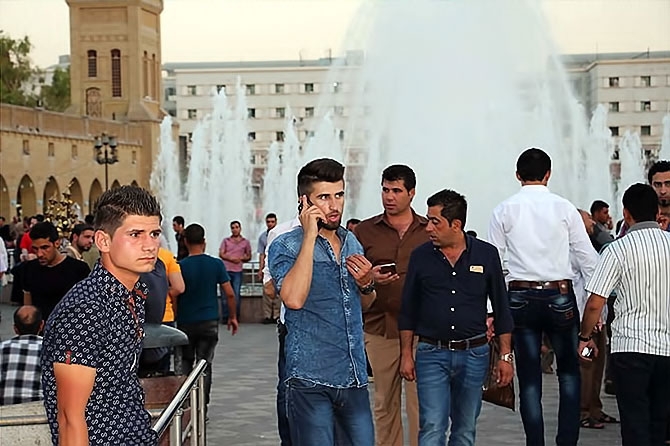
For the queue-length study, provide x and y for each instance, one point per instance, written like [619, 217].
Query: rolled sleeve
[280, 261]
[407, 319]
[607, 275]
[76, 336]
[497, 291]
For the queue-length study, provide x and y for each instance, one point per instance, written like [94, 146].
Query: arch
[115, 184]
[93, 102]
[26, 200]
[94, 193]
[51, 192]
[76, 195]
[134, 184]
[5, 211]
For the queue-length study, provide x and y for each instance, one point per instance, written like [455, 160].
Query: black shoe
[268, 321]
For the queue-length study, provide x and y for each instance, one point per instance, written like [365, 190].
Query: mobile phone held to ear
[320, 223]
[387, 268]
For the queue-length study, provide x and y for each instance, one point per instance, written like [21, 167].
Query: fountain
[664, 154]
[454, 89]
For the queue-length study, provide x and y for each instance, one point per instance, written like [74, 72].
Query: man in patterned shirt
[93, 339]
[20, 359]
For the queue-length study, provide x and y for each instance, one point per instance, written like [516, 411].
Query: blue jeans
[557, 315]
[282, 416]
[314, 410]
[449, 385]
[236, 283]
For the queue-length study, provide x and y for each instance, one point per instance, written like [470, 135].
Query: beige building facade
[115, 64]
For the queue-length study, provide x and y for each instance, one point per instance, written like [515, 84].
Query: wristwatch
[507, 357]
[368, 289]
[583, 339]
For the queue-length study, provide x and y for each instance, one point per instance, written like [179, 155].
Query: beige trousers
[271, 307]
[384, 356]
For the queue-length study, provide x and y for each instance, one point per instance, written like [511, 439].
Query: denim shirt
[324, 344]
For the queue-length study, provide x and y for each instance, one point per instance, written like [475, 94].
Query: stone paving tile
[242, 408]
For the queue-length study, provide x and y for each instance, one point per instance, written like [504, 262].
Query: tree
[16, 71]
[57, 95]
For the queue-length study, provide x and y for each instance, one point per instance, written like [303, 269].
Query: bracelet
[367, 289]
[583, 339]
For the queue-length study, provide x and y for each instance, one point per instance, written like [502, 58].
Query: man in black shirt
[178, 227]
[51, 275]
[444, 303]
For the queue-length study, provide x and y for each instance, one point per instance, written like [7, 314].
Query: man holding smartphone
[325, 283]
[388, 240]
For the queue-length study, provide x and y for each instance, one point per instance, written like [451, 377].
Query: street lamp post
[106, 153]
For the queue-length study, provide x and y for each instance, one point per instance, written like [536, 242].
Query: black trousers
[643, 397]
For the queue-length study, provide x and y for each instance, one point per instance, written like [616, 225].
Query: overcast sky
[217, 30]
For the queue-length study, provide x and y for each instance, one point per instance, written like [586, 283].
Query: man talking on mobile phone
[388, 240]
[325, 283]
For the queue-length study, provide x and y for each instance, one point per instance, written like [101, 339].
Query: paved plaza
[242, 410]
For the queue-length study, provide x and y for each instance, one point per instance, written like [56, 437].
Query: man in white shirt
[540, 233]
[637, 268]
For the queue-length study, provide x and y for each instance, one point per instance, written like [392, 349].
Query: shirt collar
[644, 225]
[109, 283]
[468, 244]
[534, 188]
[382, 218]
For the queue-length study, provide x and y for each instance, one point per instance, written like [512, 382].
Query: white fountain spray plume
[165, 181]
[456, 91]
[599, 152]
[631, 157]
[664, 153]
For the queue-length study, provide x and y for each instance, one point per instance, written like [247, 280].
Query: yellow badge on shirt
[477, 269]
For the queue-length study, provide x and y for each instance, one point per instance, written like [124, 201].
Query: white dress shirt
[538, 233]
[636, 266]
[4, 260]
[275, 232]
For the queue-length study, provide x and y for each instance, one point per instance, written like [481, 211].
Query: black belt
[460, 344]
[563, 286]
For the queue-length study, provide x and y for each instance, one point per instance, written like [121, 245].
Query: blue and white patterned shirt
[20, 370]
[98, 324]
[324, 343]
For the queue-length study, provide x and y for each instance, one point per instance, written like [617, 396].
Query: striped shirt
[637, 267]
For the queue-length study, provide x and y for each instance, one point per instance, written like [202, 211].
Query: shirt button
[453, 291]
[452, 327]
[454, 273]
[453, 309]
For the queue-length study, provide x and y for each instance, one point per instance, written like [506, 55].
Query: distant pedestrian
[235, 251]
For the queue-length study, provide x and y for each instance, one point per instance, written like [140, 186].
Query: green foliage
[57, 95]
[15, 70]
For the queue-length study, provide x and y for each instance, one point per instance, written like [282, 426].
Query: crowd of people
[414, 296]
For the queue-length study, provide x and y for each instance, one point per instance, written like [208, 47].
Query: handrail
[170, 411]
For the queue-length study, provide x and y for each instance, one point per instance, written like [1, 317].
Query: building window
[251, 136]
[191, 90]
[251, 113]
[116, 73]
[75, 152]
[189, 136]
[133, 158]
[614, 131]
[614, 81]
[92, 63]
[170, 91]
[220, 87]
[614, 106]
[645, 106]
[26, 147]
[309, 112]
[309, 134]
[338, 110]
[645, 130]
[51, 151]
[280, 112]
[341, 135]
[645, 81]
[251, 89]
[192, 113]
[279, 136]
[309, 88]
[337, 87]
[279, 88]
[172, 113]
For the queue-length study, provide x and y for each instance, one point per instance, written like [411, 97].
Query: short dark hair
[322, 169]
[38, 217]
[194, 234]
[179, 220]
[271, 215]
[116, 204]
[659, 166]
[641, 201]
[235, 222]
[598, 205]
[79, 228]
[533, 164]
[454, 205]
[28, 321]
[45, 230]
[89, 219]
[398, 172]
[353, 221]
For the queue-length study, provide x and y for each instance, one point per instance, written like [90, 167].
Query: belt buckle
[450, 347]
[539, 286]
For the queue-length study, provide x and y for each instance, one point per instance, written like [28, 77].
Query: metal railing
[173, 415]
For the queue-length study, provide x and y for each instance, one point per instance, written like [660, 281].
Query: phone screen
[387, 268]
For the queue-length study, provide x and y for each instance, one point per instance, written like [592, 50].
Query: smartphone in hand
[387, 268]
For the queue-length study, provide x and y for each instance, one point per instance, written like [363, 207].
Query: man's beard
[664, 202]
[331, 226]
[83, 248]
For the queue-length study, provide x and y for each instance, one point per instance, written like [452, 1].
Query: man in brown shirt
[390, 238]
